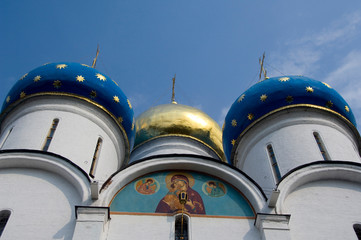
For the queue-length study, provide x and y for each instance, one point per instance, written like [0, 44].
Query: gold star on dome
[80, 78]
[61, 66]
[8, 99]
[120, 119]
[263, 97]
[289, 99]
[347, 109]
[116, 99]
[85, 65]
[234, 123]
[233, 142]
[100, 77]
[46, 64]
[57, 84]
[283, 79]
[22, 94]
[37, 78]
[329, 104]
[250, 116]
[93, 94]
[309, 89]
[240, 99]
[326, 85]
[130, 105]
[24, 76]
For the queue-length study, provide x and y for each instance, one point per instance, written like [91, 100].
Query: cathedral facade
[76, 164]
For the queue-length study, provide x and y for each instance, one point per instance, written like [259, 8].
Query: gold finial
[263, 70]
[96, 57]
[173, 95]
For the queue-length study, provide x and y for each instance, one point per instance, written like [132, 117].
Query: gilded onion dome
[79, 81]
[179, 120]
[275, 94]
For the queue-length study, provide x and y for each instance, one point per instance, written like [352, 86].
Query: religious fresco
[158, 193]
[146, 186]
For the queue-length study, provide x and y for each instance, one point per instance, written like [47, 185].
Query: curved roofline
[173, 116]
[222, 158]
[46, 154]
[348, 122]
[320, 162]
[108, 181]
[13, 105]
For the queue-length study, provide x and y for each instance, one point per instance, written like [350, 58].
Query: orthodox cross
[96, 57]
[262, 70]
[173, 95]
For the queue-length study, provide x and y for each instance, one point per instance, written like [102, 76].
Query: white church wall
[41, 204]
[223, 228]
[324, 209]
[80, 125]
[140, 227]
[162, 228]
[171, 145]
[291, 135]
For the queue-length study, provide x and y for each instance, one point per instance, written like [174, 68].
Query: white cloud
[299, 61]
[346, 80]
[340, 30]
[303, 56]
[310, 55]
[222, 115]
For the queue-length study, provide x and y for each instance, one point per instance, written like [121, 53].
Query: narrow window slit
[181, 227]
[357, 229]
[274, 164]
[95, 158]
[6, 137]
[321, 146]
[4, 217]
[50, 134]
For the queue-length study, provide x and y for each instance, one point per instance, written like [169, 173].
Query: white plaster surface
[223, 228]
[162, 228]
[140, 227]
[291, 135]
[80, 125]
[41, 204]
[171, 145]
[324, 209]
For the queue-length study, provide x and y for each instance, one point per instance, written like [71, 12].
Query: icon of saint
[170, 202]
[146, 186]
[214, 189]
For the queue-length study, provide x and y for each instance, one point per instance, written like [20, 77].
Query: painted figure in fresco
[148, 187]
[170, 202]
[215, 189]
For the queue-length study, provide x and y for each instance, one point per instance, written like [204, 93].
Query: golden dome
[179, 120]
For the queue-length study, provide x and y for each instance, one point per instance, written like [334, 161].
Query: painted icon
[147, 186]
[214, 189]
[177, 183]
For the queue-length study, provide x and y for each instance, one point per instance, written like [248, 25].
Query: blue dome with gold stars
[274, 94]
[79, 81]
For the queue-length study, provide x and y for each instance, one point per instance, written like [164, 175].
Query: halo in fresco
[168, 178]
[180, 182]
[214, 189]
[158, 193]
[146, 186]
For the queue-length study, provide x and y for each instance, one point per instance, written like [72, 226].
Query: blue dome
[79, 81]
[275, 94]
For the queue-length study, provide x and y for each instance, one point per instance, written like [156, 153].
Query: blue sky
[213, 46]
